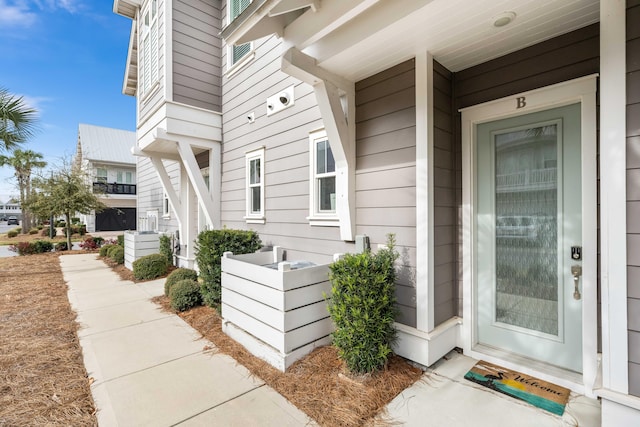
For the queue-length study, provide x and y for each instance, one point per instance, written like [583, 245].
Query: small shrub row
[12, 233]
[210, 246]
[30, 248]
[113, 251]
[92, 243]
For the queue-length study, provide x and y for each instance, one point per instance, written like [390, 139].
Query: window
[101, 175]
[125, 177]
[323, 178]
[255, 186]
[148, 42]
[236, 53]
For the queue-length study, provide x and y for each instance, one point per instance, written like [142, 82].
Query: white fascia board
[132, 54]
[126, 8]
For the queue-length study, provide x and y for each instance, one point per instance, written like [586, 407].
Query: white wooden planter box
[280, 314]
[138, 244]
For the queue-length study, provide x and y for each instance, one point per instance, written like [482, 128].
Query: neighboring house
[105, 153]
[499, 141]
[10, 209]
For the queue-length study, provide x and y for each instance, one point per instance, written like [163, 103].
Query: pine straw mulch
[43, 380]
[318, 384]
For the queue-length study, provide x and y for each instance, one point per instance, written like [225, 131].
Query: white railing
[531, 179]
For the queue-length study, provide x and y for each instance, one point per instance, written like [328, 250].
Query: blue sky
[67, 59]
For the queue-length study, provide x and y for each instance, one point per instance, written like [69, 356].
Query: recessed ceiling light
[503, 19]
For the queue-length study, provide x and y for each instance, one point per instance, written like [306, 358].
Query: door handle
[576, 272]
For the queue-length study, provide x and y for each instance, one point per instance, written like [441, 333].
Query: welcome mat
[534, 391]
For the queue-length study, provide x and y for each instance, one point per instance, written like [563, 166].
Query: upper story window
[323, 178]
[148, 47]
[124, 177]
[255, 186]
[101, 175]
[236, 53]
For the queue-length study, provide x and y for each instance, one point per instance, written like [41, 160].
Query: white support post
[176, 205]
[193, 172]
[613, 273]
[340, 127]
[425, 319]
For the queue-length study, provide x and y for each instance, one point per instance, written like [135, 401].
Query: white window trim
[316, 218]
[254, 217]
[234, 67]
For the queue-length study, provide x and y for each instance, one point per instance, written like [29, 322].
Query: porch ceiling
[458, 33]
[360, 38]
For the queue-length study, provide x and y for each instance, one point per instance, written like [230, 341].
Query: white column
[424, 193]
[613, 258]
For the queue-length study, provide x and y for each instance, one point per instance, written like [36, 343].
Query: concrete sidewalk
[150, 368]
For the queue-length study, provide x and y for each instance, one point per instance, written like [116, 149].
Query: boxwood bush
[104, 250]
[177, 275]
[61, 246]
[185, 294]
[116, 253]
[150, 267]
[12, 233]
[363, 307]
[210, 246]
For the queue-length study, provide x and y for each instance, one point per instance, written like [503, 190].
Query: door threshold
[572, 380]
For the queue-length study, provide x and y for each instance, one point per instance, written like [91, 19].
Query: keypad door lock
[576, 272]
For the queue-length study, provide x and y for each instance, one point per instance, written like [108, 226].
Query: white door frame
[581, 90]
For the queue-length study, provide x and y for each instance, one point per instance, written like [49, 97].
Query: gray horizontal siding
[150, 194]
[385, 170]
[633, 192]
[197, 54]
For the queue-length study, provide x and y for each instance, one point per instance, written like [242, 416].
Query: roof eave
[126, 8]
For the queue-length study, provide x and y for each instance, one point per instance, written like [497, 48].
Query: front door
[528, 219]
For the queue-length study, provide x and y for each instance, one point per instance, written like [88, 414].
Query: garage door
[116, 219]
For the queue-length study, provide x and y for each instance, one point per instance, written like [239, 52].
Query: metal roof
[100, 144]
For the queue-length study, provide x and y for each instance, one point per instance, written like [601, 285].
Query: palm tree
[17, 120]
[24, 162]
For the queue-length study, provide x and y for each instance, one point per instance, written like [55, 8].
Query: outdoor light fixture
[503, 19]
[280, 101]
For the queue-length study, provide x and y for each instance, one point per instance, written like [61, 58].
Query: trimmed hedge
[185, 294]
[30, 248]
[177, 275]
[150, 267]
[363, 307]
[104, 250]
[210, 246]
[116, 253]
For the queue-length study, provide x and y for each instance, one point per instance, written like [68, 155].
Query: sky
[67, 59]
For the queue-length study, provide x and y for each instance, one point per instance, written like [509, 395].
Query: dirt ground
[42, 377]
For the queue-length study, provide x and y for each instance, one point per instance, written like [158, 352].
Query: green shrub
[363, 307]
[210, 246]
[116, 253]
[120, 238]
[184, 294]
[12, 233]
[149, 267]
[33, 231]
[177, 275]
[61, 246]
[30, 248]
[165, 248]
[41, 246]
[75, 220]
[104, 250]
[18, 230]
[40, 227]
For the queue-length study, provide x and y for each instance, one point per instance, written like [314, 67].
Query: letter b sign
[521, 102]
